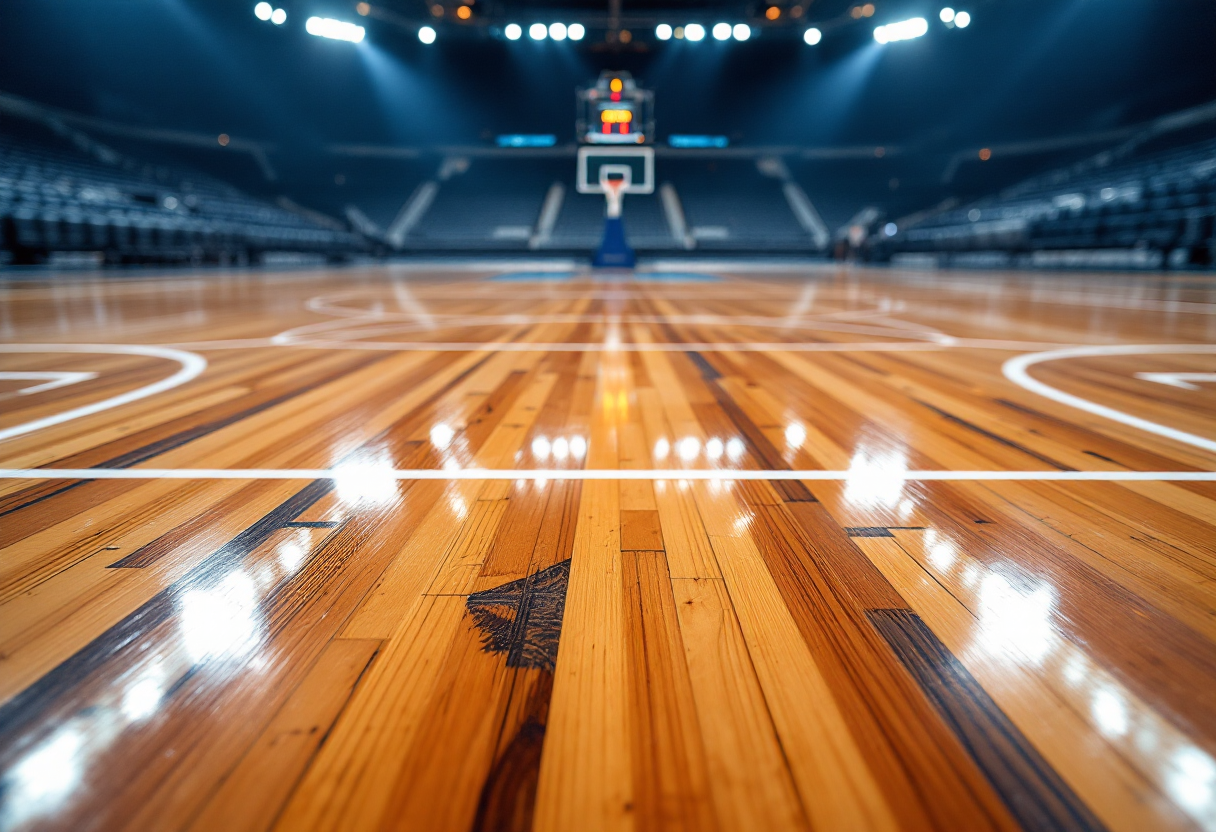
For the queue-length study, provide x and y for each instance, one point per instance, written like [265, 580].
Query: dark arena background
[579, 415]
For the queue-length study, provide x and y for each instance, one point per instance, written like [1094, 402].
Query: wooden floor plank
[671, 783]
[252, 793]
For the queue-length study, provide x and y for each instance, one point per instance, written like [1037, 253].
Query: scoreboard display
[615, 110]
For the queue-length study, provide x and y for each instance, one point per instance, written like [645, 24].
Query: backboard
[634, 164]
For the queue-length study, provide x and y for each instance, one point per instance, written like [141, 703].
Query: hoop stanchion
[614, 250]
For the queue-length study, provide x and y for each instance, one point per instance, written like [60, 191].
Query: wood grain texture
[352, 651]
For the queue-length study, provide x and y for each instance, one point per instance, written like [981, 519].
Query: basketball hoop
[614, 192]
[614, 172]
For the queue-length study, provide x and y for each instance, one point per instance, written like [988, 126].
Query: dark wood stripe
[243, 543]
[791, 491]
[1030, 788]
[1009, 443]
[28, 706]
[311, 524]
[828, 584]
[508, 798]
[708, 371]
[868, 531]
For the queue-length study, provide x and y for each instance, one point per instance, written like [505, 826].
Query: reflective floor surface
[728, 548]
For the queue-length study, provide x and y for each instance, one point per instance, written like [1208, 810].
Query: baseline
[587, 474]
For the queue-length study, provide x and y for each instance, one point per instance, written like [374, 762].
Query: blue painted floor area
[609, 276]
[530, 277]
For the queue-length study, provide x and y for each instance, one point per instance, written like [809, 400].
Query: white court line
[192, 365]
[711, 474]
[1015, 370]
[525, 346]
[53, 381]
[349, 330]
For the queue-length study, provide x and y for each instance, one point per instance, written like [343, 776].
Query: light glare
[576, 31]
[742, 31]
[694, 32]
[662, 31]
[278, 17]
[540, 448]
[327, 27]
[262, 11]
[426, 34]
[688, 448]
[902, 30]
[442, 435]
[557, 31]
[962, 20]
[661, 449]
[538, 31]
[369, 482]
[812, 36]
[721, 31]
[513, 31]
[946, 14]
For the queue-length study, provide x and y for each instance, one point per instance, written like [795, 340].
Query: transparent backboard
[633, 164]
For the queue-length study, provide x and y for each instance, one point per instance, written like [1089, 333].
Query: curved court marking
[673, 474]
[1015, 370]
[192, 365]
[50, 380]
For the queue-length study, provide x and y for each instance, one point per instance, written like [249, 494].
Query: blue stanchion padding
[614, 251]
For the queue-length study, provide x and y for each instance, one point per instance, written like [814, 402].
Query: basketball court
[405, 424]
[704, 545]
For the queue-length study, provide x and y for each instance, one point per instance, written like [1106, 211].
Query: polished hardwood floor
[722, 548]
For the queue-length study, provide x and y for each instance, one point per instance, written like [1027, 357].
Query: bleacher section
[495, 205]
[492, 205]
[729, 204]
[60, 199]
[1162, 204]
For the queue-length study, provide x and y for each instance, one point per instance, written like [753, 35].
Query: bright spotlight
[576, 31]
[902, 30]
[262, 11]
[512, 31]
[721, 31]
[538, 31]
[557, 31]
[812, 36]
[327, 27]
[742, 31]
[426, 34]
[278, 17]
[962, 20]
[662, 31]
[694, 32]
[946, 14]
